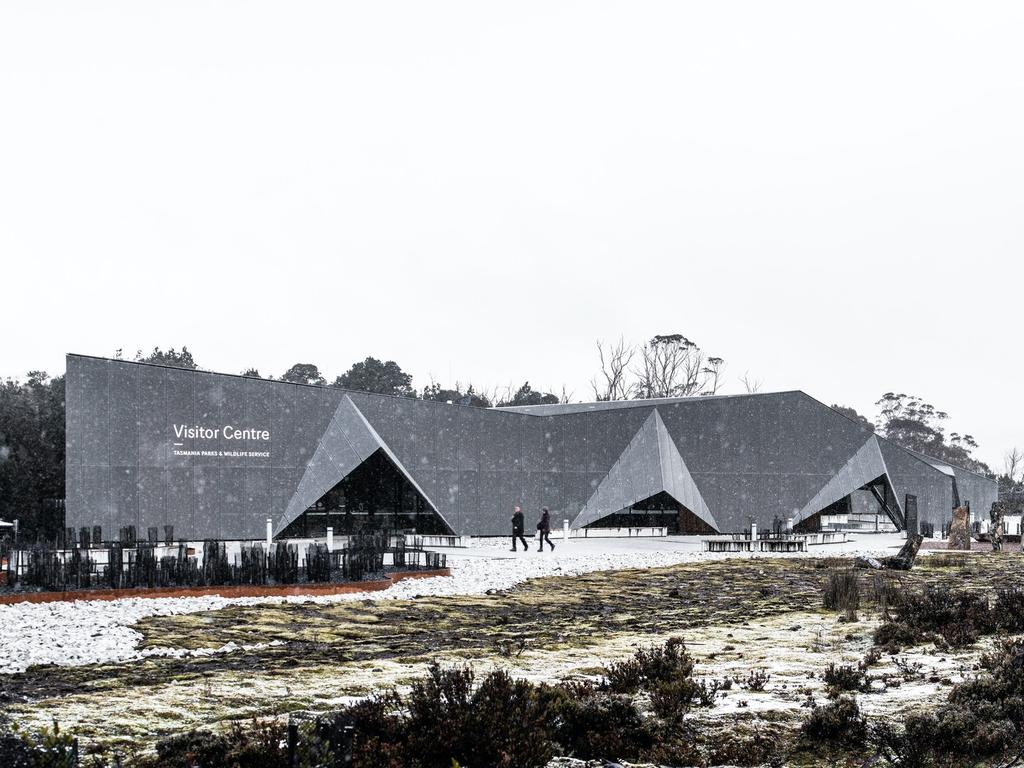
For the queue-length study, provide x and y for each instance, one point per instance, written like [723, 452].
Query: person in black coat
[517, 528]
[544, 527]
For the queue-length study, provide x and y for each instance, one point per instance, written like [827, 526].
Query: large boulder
[959, 530]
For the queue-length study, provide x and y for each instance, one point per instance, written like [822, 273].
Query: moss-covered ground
[736, 615]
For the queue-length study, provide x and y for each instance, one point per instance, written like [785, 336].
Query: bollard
[270, 532]
[330, 539]
[565, 530]
[293, 743]
[753, 537]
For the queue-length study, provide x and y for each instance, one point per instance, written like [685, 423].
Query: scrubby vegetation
[950, 619]
[842, 593]
[636, 711]
[982, 722]
[844, 677]
[838, 721]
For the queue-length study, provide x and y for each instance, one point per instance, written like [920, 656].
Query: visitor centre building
[216, 455]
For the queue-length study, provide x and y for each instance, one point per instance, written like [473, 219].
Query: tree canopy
[919, 426]
[437, 393]
[372, 375]
[32, 453]
[303, 373]
[527, 395]
[172, 358]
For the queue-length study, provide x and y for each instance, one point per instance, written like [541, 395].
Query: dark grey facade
[215, 455]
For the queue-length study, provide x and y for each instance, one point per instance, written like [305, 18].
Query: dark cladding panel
[447, 441]
[448, 497]
[154, 441]
[469, 501]
[220, 510]
[74, 430]
[496, 494]
[178, 506]
[220, 405]
[469, 440]
[553, 496]
[575, 443]
[152, 500]
[93, 376]
[261, 411]
[219, 500]
[551, 452]
[610, 433]
[94, 502]
[124, 414]
[404, 426]
[179, 411]
[492, 435]
[124, 497]
[284, 482]
[258, 499]
[508, 445]
[420, 446]
[74, 490]
[531, 438]
[531, 497]
[304, 420]
[578, 489]
[711, 491]
[797, 490]
[770, 460]
[980, 491]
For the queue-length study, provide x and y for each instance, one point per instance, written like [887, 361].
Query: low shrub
[671, 701]
[837, 721]
[981, 722]
[951, 619]
[842, 592]
[605, 725]
[252, 744]
[756, 680]
[46, 748]
[659, 664]
[1009, 610]
[844, 677]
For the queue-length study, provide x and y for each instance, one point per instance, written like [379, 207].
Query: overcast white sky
[828, 196]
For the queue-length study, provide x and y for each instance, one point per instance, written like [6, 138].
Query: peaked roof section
[348, 441]
[864, 467]
[561, 409]
[650, 464]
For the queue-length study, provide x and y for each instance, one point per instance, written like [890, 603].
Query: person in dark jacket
[544, 527]
[517, 528]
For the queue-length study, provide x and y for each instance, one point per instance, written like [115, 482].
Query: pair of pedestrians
[543, 528]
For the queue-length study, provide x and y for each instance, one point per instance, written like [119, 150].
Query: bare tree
[673, 366]
[566, 396]
[1013, 464]
[751, 385]
[612, 382]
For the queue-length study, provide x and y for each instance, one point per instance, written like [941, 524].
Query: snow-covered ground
[94, 631]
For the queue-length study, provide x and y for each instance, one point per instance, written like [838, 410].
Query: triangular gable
[649, 464]
[348, 441]
[863, 468]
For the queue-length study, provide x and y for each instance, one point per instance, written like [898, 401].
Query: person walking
[544, 527]
[517, 528]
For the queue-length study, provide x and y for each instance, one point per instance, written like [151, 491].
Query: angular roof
[649, 465]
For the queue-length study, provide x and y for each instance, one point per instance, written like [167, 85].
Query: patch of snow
[98, 632]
